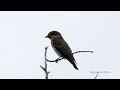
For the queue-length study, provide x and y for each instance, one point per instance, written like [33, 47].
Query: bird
[61, 47]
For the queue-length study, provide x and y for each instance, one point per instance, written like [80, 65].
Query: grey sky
[22, 43]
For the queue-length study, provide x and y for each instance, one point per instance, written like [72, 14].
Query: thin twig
[60, 58]
[96, 75]
[45, 68]
[82, 51]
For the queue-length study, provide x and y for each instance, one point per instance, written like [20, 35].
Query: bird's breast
[57, 52]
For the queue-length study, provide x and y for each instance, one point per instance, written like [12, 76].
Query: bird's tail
[74, 65]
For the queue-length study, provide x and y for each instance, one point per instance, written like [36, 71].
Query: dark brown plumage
[61, 47]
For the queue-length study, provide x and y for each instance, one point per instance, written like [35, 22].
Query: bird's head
[53, 34]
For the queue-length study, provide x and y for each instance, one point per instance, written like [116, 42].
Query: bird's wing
[64, 49]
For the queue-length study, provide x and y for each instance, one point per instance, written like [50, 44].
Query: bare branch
[82, 51]
[96, 75]
[45, 68]
[42, 68]
[60, 58]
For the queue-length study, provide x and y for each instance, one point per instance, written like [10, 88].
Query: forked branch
[60, 58]
[45, 68]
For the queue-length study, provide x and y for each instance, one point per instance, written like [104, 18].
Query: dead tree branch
[82, 51]
[60, 58]
[45, 68]
[96, 75]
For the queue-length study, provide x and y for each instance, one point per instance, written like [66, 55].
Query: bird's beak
[46, 37]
